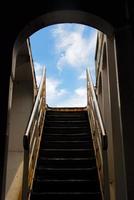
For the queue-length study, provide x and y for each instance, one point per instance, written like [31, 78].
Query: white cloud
[38, 71]
[77, 99]
[58, 96]
[38, 68]
[38, 79]
[73, 48]
[80, 92]
[53, 91]
[82, 75]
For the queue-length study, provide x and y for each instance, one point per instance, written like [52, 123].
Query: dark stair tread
[56, 128]
[65, 144]
[84, 121]
[66, 117]
[87, 149]
[65, 141]
[66, 173]
[68, 169]
[66, 153]
[61, 134]
[65, 196]
[72, 137]
[68, 193]
[66, 130]
[69, 114]
[65, 186]
[67, 124]
[62, 162]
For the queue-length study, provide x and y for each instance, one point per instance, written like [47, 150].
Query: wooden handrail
[99, 135]
[97, 110]
[32, 138]
[35, 106]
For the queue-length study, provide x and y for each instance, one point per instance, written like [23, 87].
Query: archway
[59, 17]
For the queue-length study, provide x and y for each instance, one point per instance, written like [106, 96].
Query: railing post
[99, 138]
[87, 88]
[105, 168]
[32, 138]
[106, 179]
[25, 175]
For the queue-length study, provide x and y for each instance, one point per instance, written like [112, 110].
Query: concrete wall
[107, 94]
[23, 96]
[21, 109]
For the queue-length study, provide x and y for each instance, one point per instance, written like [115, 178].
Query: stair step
[66, 129]
[65, 144]
[63, 163]
[66, 153]
[67, 123]
[70, 137]
[67, 114]
[66, 117]
[66, 196]
[66, 173]
[65, 185]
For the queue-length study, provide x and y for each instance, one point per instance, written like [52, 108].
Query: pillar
[124, 39]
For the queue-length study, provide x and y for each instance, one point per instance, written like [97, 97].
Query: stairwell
[66, 167]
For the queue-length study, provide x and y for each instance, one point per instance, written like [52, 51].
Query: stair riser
[64, 137]
[56, 196]
[67, 124]
[65, 130]
[65, 117]
[66, 174]
[66, 145]
[66, 154]
[67, 163]
[43, 186]
[74, 114]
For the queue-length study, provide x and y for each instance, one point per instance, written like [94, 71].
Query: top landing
[67, 109]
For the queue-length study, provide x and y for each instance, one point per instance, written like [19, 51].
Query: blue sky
[66, 50]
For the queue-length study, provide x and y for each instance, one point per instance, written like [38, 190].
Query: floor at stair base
[14, 175]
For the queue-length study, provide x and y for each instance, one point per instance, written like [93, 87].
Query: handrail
[32, 138]
[35, 106]
[99, 135]
[98, 114]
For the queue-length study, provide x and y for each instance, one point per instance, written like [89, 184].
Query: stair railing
[32, 138]
[99, 136]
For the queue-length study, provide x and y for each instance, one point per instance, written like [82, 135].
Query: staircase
[66, 166]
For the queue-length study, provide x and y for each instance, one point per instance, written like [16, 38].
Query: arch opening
[66, 50]
[66, 16]
[63, 16]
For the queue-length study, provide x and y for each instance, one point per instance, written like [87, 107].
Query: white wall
[21, 108]
[22, 100]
